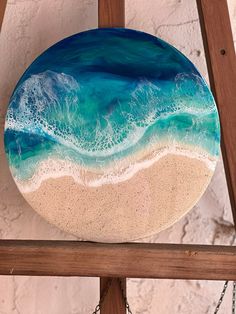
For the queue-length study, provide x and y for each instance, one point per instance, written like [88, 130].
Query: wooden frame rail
[111, 13]
[141, 260]
[221, 62]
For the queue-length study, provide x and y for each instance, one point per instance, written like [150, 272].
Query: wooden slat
[3, 4]
[221, 62]
[111, 13]
[113, 301]
[140, 260]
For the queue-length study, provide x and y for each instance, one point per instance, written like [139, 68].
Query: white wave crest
[60, 91]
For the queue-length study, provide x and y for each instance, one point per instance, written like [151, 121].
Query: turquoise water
[104, 94]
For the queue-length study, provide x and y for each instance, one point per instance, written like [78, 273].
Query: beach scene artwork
[112, 135]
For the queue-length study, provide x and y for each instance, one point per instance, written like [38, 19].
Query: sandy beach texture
[147, 202]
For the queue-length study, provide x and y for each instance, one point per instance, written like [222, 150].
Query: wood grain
[111, 13]
[113, 301]
[138, 260]
[3, 4]
[221, 62]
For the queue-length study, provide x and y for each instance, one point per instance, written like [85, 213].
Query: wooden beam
[221, 62]
[113, 301]
[111, 13]
[3, 4]
[137, 260]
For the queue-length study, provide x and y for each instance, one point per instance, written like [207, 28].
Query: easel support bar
[137, 260]
[111, 13]
[221, 63]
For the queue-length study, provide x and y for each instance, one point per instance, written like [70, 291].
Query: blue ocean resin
[101, 100]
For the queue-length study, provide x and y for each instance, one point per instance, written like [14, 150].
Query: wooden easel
[140, 260]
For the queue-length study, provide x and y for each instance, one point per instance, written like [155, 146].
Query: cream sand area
[147, 202]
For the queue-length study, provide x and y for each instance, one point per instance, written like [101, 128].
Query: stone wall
[31, 26]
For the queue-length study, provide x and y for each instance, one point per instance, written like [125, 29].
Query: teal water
[104, 94]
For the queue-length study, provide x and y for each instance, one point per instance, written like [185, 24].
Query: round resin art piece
[112, 135]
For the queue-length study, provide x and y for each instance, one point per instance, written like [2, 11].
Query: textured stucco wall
[30, 26]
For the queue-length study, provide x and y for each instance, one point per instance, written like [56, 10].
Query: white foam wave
[38, 92]
[122, 171]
